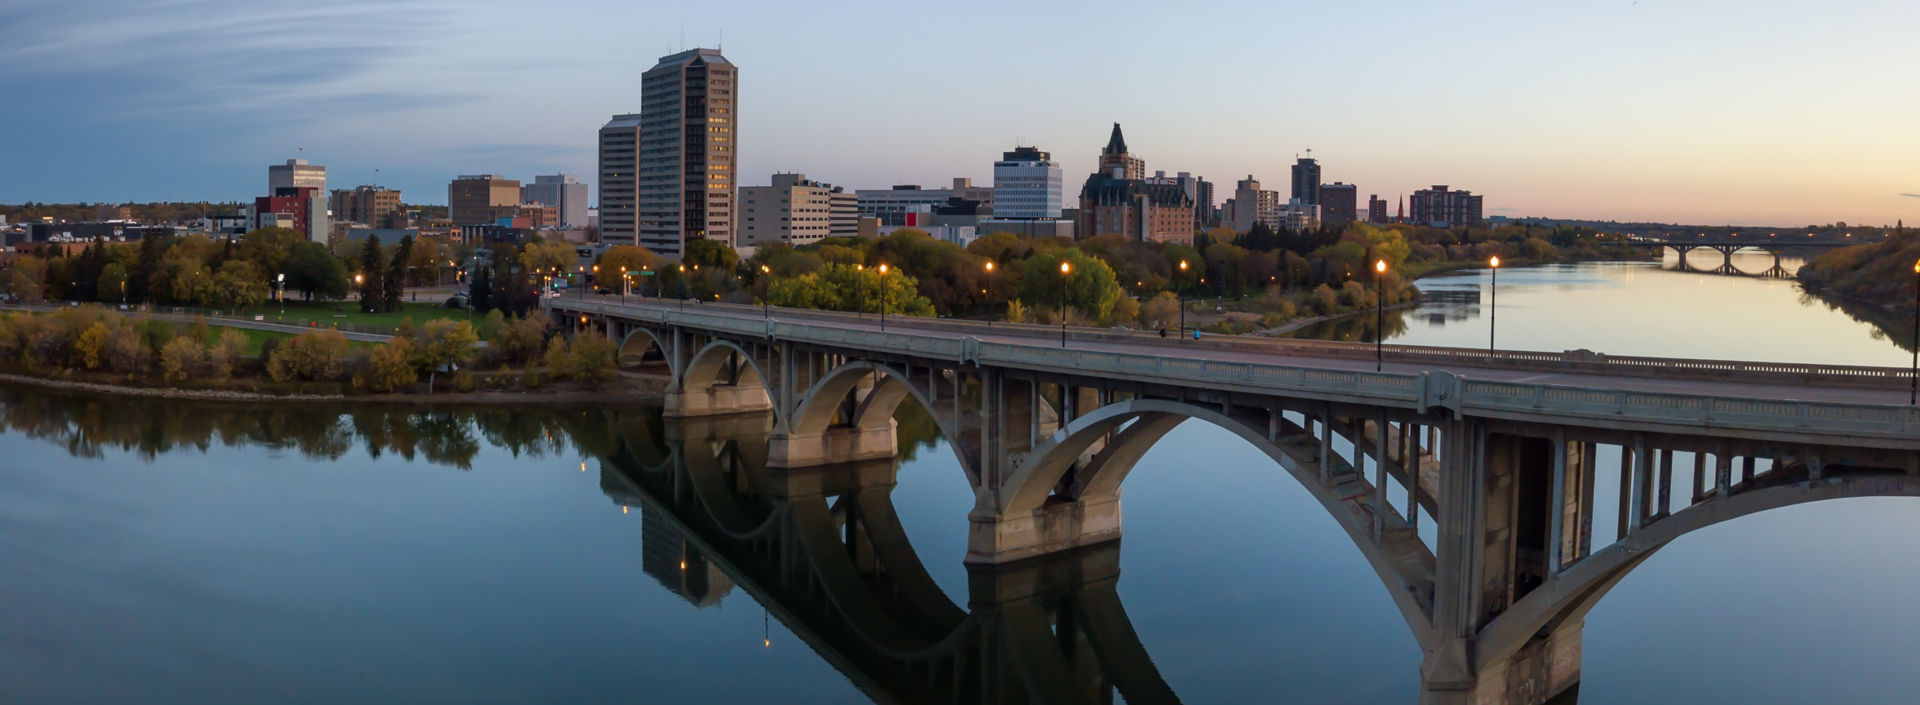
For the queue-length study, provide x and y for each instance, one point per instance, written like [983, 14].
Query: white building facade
[1027, 183]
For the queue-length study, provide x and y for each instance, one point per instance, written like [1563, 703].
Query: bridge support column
[1507, 507]
[1055, 527]
[717, 400]
[838, 444]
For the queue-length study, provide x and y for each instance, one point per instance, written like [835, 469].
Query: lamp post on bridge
[1493, 303]
[1913, 388]
[984, 293]
[766, 305]
[860, 290]
[1379, 314]
[883, 297]
[1065, 269]
[1180, 283]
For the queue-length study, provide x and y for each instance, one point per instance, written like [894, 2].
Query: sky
[1754, 112]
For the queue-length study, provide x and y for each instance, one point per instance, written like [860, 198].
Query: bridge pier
[1057, 526]
[721, 400]
[837, 444]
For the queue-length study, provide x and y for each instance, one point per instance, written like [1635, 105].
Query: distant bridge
[1498, 449]
[1726, 246]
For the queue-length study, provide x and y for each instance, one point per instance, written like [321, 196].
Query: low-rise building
[794, 210]
[1443, 207]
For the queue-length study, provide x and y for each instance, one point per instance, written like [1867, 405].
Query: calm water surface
[187, 553]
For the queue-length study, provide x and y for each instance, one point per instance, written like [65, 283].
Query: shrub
[523, 339]
[443, 342]
[92, 345]
[591, 358]
[181, 359]
[390, 366]
[1016, 312]
[319, 356]
[556, 358]
[224, 357]
[126, 350]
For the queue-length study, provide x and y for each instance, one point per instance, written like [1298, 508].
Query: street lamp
[860, 290]
[766, 304]
[280, 280]
[1493, 306]
[1913, 391]
[983, 293]
[1379, 314]
[883, 297]
[1065, 268]
[1180, 288]
[683, 287]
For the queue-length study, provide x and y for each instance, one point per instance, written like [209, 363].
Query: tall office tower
[1306, 180]
[619, 180]
[1339, 203]
[793, 210]
[1027, 184]
[1203, 215]
[562, 191]
[481, 199]
[296, 173]
[1116, 163]
[687, 155]
[1376, 209]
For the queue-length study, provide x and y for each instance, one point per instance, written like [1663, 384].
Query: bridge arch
[1573, 593]
[637, 342]
[822, 404]
[1140, 423]
[722, 378]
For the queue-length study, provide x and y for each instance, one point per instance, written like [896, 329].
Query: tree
[270, 248]
[113, 282]
[710, 254]
[1161, 312]
[591, 358]
[480, 290]
[443, 342]
[523, 340]
[390, 366]
[181, 359]
[838, 287]
[143, 268]
[548, 258]
[314, 271]
[240, 284]
[371, 267]
[1090, 284]
[631, 259]
[318, 356]
[396, 275]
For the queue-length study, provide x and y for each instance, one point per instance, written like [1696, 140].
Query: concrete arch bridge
[1497, 454]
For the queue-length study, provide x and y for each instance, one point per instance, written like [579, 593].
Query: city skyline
[1710, 113]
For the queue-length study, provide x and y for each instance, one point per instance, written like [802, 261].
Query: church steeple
[1115, 144]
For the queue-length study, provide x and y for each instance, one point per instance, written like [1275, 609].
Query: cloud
[1911, 195]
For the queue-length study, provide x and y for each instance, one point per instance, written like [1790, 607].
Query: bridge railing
[1568, 362]
[1476, 396]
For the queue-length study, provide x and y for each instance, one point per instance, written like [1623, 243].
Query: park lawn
[300, 313]
[256, 338]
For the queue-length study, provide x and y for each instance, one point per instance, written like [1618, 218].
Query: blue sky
[1756, 112]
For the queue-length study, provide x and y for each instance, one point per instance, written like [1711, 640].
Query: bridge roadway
[1499, 449]
[1823, 384]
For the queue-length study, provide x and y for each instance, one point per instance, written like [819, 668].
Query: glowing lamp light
[1380, 266]
[1065, 267]
[1495, 262]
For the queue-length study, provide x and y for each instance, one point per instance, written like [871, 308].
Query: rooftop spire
[1116, 144]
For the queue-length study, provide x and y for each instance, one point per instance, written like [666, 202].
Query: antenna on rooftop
[723, 40]
[683, 37]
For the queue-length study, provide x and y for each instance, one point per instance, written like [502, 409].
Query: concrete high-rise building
[1297, 216]
[1443, 207]
[1339, 203]
[1203, 205]
[1116, 162]
[296, 173]
[687, 159]
[562, 191]
[1027, 184]
[620, 180]
[1251, 204]
[366, 205]
[845, 207]
[473, 200]
[793, 210]
[1306, 180]
[1376, 209]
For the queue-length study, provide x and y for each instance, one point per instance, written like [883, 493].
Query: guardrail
[1569, 362]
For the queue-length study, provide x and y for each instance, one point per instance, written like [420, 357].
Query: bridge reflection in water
[822, 549]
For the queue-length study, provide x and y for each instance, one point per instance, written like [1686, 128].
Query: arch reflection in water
[824, 551]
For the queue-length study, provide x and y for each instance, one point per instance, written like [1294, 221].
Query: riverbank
[627, 389]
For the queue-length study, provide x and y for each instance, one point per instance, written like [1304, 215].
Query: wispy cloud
[1911, 195]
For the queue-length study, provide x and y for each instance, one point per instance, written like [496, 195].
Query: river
[175, 552]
